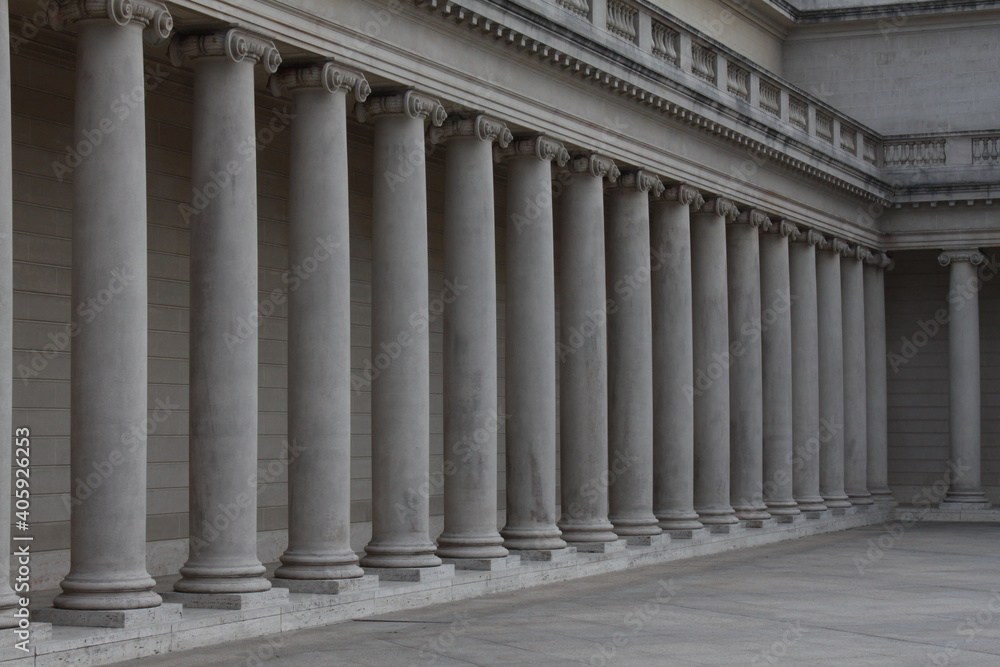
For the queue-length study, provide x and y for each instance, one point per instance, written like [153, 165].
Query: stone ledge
[202, 627]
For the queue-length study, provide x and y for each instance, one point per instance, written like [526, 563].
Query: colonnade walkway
[884, 594]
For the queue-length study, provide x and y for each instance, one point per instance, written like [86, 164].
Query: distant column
[530, 345]
[583, 353]
[673, 352]
[470, 340]
[630, 349]
[831, 374]
[709, 287]
[965, 461]
[875, 353]
[805, 372]
[776, 354]
[855, 383]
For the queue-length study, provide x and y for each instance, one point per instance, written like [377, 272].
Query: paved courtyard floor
[928, 594]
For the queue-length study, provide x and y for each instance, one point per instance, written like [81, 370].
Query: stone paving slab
[926, 596]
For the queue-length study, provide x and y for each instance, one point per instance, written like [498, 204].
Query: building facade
[406, 288]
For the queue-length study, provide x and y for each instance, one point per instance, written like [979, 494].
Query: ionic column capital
[880, 260]
[755, 218]
[838, 247]
[785, 229]
[971, 255]
[539, 145]
[810, 236]
[598, 166]
[153, 16]
[236, 44]
[858, 252]
[640, 180]
[479, 125]
[685, 195]
[722, 207]
[327, 75]
[407, 102]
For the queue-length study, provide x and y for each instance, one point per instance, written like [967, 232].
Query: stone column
[471, 420]
[673, 369]
[875, 353]
[805, 373]
[965, 490]
[223, 376]
[630, 350]
[852, 285]
[710, 393]
[401, 392]
[319, 331]
[8, 600]
[776, 358]
[583, 353]
[831, 374]
[746, 425]
[108, 392]
[530, 345]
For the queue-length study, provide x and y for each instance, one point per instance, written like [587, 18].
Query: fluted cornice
[537, 145]
[402, 102]
[755, 218]
[640, 180]
[685, 195]
[236, 44]
[153, 16]
[971, 255]
[327, 75]
[722, 207]
[595, 164]
[480, 126]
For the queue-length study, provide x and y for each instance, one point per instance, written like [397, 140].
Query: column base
[111, 618]
[413, 574]
[646, 540]
[321, 568]
[780, 508]
[36, 632]
[533, 539]
[860, 499]
[230, 601]
[485, 564]
[811, 504]
[679, 521]
[971, 497]
[626, 527]
[587, 533]
[387, 558]
[327, 586]
[836, 502]
[752, 513]
[883, 496]
[545, 555]
[449, 548]
[600, 547]
[717, 517]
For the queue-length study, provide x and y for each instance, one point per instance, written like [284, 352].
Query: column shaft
[746, 430]
[108, 365]
[401, 391]
[855, 382]
[710, 301]
[831, 376]
[875, 370]
[776, 359]
[583, 353]
[319, 329]
[223, 362]
[630, 348]
[964, 394]
[673, 370]
[8, 600]
[530, 346]
[470, 343]
[805, 373]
